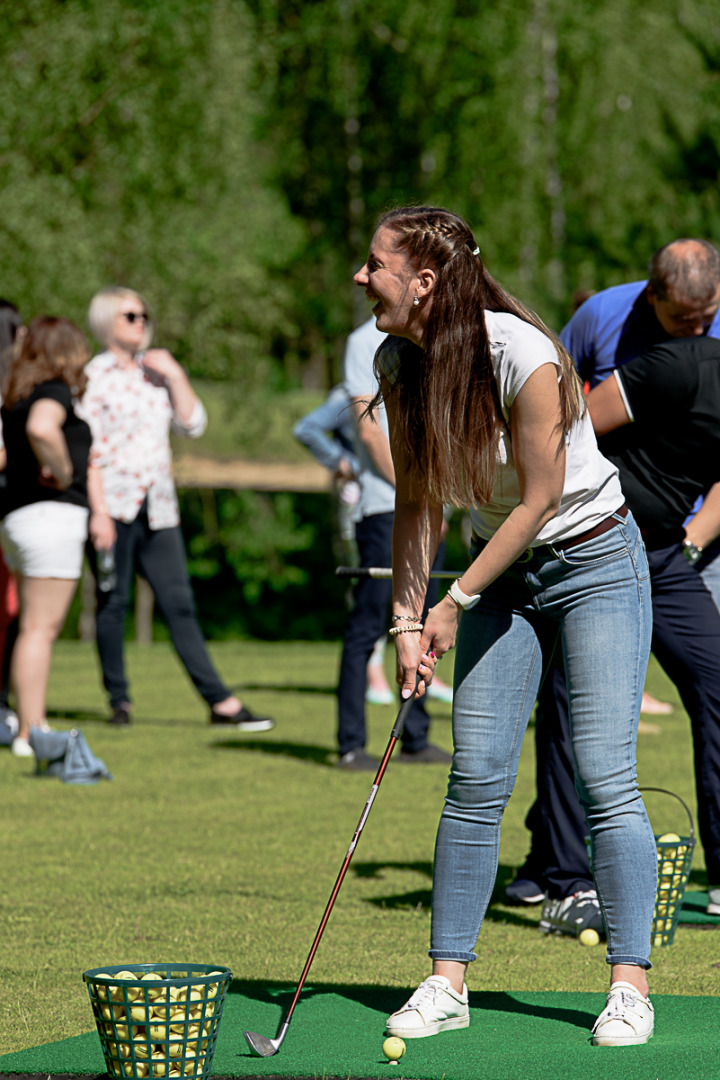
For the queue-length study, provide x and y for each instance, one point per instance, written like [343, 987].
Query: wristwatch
[691, 552]
[462, 599]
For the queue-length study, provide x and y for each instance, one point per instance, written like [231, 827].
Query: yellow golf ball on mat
[393, 1048]
[589, 937]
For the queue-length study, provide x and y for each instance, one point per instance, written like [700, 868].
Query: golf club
[386, 572]
[260, 1044]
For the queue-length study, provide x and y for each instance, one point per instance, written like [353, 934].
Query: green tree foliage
[576, 137]
[127, 156]
[281, 548]
[229, 158]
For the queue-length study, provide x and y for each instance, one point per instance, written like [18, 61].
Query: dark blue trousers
[368, 619]
[160, 557]
[686, 643]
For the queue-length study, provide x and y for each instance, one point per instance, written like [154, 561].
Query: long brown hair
[53, 348]
[444, 395]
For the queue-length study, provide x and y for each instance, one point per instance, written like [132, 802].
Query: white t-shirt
[592, 489]
[377, 496]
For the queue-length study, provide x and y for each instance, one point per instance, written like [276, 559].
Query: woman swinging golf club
[486, 412]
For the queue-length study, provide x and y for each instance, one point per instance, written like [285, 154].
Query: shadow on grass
[384, 999]
[421, 899]
[321, 755]
[287, 688]
[78, 716]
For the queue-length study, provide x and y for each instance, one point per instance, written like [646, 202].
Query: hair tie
[476, 251]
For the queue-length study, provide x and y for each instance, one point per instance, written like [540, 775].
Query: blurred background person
[329, 434]
[135, 396]
[679, 300]
[45, 526]
[11, 330]
[369, 615]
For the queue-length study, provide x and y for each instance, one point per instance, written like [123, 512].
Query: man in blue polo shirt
[680, 299]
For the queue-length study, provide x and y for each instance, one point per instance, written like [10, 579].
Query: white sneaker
[22, 748]
[434, 1007]
[9, 718]
[713, 907]
[439, 692]
[377, 696]
[626, 1020]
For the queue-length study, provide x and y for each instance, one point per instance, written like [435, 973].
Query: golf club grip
[384, 572]
[404, 709]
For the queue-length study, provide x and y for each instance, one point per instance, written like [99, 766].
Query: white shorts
[45, 540]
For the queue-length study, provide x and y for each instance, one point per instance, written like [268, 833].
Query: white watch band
[462, 599]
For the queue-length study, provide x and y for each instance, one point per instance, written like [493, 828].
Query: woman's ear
[426, 281]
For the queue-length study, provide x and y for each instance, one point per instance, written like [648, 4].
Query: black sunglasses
[131, 316]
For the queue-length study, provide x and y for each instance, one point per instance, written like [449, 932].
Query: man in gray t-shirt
[373, 532]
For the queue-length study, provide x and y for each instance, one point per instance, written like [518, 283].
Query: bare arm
[539, 455]
[45, 435]
[417, 526]
[183, 397]
[705, 525]
[374, 440]
[606, 406]
[102, 526]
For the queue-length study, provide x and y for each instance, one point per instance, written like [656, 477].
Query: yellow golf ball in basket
[393, 1048]
[589, 937]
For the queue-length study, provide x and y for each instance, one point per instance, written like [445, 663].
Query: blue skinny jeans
[596, 597]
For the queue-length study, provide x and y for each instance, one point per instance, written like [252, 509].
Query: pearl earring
[416, 300]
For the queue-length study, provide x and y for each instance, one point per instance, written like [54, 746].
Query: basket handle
[664, 791]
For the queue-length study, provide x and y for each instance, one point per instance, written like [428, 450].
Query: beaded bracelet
[413, 628]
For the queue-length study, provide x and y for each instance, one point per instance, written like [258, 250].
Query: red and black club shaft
[260, 1044]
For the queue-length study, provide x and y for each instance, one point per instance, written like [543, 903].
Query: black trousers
[160, 557]
[369, 618]
[686, 643]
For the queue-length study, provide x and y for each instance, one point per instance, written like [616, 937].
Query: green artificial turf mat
[693, 910]
[338, 1032]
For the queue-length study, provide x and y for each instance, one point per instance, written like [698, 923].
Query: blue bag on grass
[66, 755]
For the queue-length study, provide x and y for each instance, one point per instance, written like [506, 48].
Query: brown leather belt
[603, 526]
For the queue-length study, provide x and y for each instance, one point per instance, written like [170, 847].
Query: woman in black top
[45, 527]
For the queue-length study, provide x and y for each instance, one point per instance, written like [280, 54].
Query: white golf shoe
[626, 1020]
[434, 1007]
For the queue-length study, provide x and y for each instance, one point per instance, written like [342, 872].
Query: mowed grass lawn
[221, 848]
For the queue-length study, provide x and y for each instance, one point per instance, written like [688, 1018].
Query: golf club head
[260, 1045]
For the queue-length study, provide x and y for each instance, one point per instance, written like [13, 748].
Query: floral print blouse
[130, 414]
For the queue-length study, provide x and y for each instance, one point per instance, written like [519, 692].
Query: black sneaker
[241, 720]
[572, 914]
[429, 755]
[120, 716]
[524, 891]
[358, 760]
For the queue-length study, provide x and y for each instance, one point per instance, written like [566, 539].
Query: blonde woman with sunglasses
[135, 397]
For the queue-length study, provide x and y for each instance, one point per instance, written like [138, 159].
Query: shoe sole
[712, 909]
[569, 931]
[452, 1024]
[518, 900]
[635, 1040]
[250, 725]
